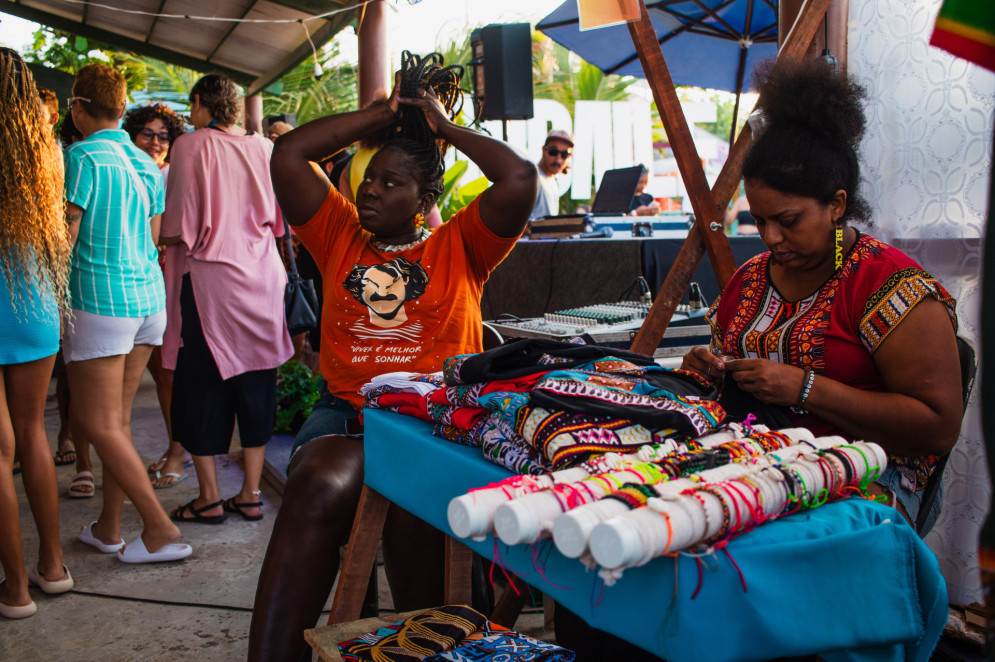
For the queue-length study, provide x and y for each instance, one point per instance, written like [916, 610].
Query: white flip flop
[136, 552]
[18, 611]
[86, 535]
[79, 480]
[63, 585]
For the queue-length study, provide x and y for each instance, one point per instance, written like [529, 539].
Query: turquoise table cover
[849, 580]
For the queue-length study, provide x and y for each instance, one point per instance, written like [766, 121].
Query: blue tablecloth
[849, 580]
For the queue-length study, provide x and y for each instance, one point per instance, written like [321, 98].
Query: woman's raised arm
[300, 184]
[505, 206]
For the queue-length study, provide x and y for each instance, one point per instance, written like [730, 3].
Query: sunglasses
[552, 151]
[149, 134]
[71, 100]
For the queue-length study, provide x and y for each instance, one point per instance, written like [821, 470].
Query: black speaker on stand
[502, 72]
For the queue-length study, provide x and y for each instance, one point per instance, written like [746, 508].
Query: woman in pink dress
[224, 297]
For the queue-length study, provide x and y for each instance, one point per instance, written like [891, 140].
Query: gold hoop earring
[419, 220]
[839, 246]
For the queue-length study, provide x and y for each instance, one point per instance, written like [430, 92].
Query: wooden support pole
[360, 555]
[253, 113]
[708, 216]
[697, 242]
[373, 33]
[459, 567]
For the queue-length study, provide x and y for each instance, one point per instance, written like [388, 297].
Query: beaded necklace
[423, 234]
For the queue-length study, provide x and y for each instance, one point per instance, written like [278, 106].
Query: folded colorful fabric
[497, 646]
[423, 635]
[505, 447]
[526, 356]
[566, 438]
[649, 395]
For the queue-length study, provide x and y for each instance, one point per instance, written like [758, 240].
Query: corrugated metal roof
[252, 53]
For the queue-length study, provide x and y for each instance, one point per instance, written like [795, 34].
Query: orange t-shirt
[384, 314]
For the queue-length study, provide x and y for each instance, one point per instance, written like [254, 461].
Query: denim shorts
[329, 416]
[891, 480]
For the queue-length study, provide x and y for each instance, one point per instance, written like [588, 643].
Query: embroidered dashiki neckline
[424, 234]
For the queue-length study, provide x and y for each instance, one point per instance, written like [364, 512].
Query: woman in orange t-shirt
[396, 297]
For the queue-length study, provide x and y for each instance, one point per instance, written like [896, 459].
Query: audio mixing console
[612, 324]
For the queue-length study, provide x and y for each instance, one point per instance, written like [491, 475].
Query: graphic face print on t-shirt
[385, 288]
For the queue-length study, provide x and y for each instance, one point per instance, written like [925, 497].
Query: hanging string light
[827, 55]
[318, 72]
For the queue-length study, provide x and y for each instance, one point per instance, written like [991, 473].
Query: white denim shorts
[92, 336]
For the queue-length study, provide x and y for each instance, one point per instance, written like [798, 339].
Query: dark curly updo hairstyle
[411, 132]
[809, 136]
[68, 133]
[136, 119]
[219, 95]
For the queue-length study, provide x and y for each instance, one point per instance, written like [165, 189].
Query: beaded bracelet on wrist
[803, 395]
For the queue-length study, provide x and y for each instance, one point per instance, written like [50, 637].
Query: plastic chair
[968, 369]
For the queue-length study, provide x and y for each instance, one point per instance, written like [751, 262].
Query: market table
[849, 580]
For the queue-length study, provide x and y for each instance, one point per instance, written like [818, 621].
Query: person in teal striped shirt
[114, 198]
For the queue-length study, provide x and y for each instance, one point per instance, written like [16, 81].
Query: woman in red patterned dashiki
[849, 333]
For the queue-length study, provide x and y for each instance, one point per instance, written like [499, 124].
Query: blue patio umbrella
[706, 43]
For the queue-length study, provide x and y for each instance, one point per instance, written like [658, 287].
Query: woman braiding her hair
[396, 297]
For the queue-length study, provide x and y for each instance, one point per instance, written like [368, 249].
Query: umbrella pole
[694, 247]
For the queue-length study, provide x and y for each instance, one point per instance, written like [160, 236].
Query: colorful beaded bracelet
[806, 388]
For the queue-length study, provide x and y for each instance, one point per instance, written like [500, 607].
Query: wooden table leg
[360, 556]
[459, 567]
[510, 604]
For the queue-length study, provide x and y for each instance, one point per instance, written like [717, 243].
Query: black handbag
[299, 301]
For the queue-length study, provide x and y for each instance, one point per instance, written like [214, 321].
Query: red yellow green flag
[966, 28]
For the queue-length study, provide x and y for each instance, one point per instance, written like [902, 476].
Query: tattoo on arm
[73, 217]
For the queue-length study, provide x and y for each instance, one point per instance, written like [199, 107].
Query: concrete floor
[199, 608]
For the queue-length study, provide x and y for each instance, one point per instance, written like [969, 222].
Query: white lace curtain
[926, 163]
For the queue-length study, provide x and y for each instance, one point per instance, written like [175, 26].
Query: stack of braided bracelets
[473, 515]
[724, 485]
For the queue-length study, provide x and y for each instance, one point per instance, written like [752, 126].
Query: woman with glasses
[153, 130]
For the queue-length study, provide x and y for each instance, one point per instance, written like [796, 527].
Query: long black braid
[411, 132]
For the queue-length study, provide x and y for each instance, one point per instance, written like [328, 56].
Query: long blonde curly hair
[34, 237]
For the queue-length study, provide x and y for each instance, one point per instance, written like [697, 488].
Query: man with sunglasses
[555, 153]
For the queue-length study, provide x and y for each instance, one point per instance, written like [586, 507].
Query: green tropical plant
[562, 75]
[458, 52]
[297, 391]
[459, 197]
[162, 80]
[69, 53]
[307, 97]
[724, 104]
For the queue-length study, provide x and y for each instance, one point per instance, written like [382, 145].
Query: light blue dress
[29, 322]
